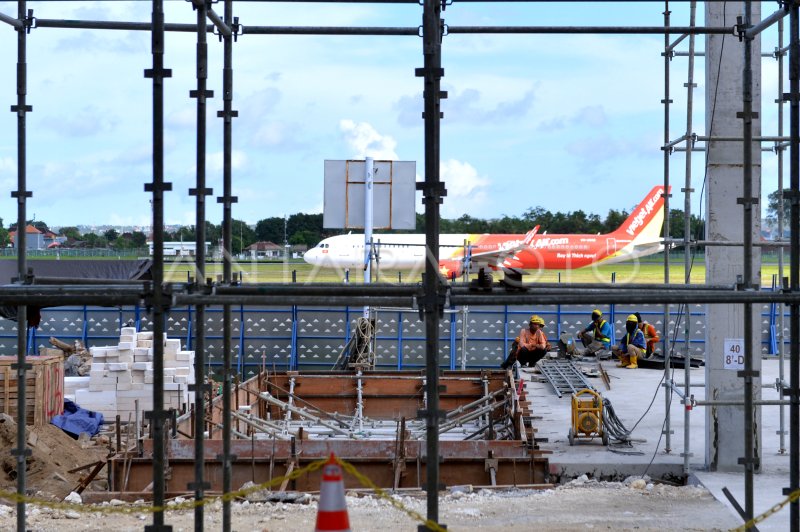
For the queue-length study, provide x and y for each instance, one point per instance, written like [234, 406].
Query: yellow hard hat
[536, 319]
[597, 313]
[632, 317]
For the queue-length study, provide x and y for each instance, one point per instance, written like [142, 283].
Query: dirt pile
[53, 454]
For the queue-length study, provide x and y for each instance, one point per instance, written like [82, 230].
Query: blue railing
[293, 337]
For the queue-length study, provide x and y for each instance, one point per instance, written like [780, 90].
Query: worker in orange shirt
[530, 346]
[650, 334]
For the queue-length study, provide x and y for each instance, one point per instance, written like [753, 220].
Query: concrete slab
[637, 396]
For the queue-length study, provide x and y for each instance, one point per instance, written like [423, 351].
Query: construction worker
[530, 346]
[631, 346]
[596, 337]
[650, 334]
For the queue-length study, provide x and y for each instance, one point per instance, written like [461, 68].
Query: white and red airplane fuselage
[638, 236]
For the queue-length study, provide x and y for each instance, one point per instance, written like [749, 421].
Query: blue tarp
[75, 420]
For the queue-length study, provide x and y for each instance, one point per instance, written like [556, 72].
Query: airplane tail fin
[646, 220]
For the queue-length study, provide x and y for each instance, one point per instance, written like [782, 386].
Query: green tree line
[307, 229]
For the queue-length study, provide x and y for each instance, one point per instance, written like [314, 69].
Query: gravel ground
[579, 505]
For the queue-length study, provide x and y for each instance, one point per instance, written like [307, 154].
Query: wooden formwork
[44, 388]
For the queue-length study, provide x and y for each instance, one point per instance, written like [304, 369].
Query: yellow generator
[587, 416]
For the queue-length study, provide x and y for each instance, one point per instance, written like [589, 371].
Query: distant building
[264, 250]
[34, 239]
[178, 249]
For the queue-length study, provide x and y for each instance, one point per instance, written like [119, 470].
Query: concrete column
[724, 89]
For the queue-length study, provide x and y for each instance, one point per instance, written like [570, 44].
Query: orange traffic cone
[332, 510]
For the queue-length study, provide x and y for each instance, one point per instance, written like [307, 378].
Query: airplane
[638, 236]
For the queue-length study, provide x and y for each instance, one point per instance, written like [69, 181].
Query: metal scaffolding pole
[750, 459]
[227, 199]
[687, 228]
[21, 451]
[779, 54]
[667, 151]
[432, 191]
[794, 262]
[158, 187]
[200, 192]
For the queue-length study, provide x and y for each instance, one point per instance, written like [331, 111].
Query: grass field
[643, 272]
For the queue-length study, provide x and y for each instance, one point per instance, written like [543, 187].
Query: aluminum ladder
[564, 376]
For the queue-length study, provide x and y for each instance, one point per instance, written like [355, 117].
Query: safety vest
[599, 335]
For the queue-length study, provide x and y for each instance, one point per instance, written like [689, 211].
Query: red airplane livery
[638, 236]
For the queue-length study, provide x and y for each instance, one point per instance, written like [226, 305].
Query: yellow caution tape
[775, 509]
[134, 509]
[365, 481]
[191, 504]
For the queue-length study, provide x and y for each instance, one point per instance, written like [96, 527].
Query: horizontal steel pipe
[618, 286]
[758, 402]
[70, 300]
[329, 30]
[287, 299]
[37, 280]
[625, 30]
[327, 289]
[568, 297]
[112, 25]
[731, 243]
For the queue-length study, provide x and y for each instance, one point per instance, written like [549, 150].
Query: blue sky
[566, 122]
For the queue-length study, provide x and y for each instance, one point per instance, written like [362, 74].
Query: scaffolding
[435, 294]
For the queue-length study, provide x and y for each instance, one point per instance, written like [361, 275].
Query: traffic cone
[332, 509]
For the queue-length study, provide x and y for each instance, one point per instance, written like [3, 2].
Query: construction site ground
[598, 488]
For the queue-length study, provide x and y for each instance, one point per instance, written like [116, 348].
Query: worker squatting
[639, 341]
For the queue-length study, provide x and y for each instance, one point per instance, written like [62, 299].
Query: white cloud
[238, 160]
[365, 141]
[467, 191]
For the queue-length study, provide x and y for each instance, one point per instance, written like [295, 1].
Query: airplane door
[611, 246]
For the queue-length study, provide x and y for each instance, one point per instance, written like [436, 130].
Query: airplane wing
[498, 255]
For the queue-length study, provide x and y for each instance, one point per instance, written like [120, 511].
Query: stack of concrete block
[121, 375]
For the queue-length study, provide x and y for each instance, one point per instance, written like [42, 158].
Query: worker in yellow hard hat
[530, 346]
[632, 345]
[596, 337]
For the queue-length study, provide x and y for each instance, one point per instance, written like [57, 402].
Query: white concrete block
[127, 338]
[118, 366]
[144, 343]
[171, 386]
[122, 386]
[142, 366]
[148, 379]
[144, 335]
[172, 346]
[97, 366]
[127, 331]
[126, 346]
[98, 352]
[181, 379]
[184, 355]
[124, 377]
[97, 387]
[169, 372]
[183, 370]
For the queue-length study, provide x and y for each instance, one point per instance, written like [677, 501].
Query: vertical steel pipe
[21, 451]
[157, 187]
[794, 262]
[779, 53]
[227, 115]
[687, 229]
[667, 151]
[200, 193]
[750, 458]
[433, 191]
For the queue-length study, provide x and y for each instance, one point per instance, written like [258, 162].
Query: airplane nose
[310, 255]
